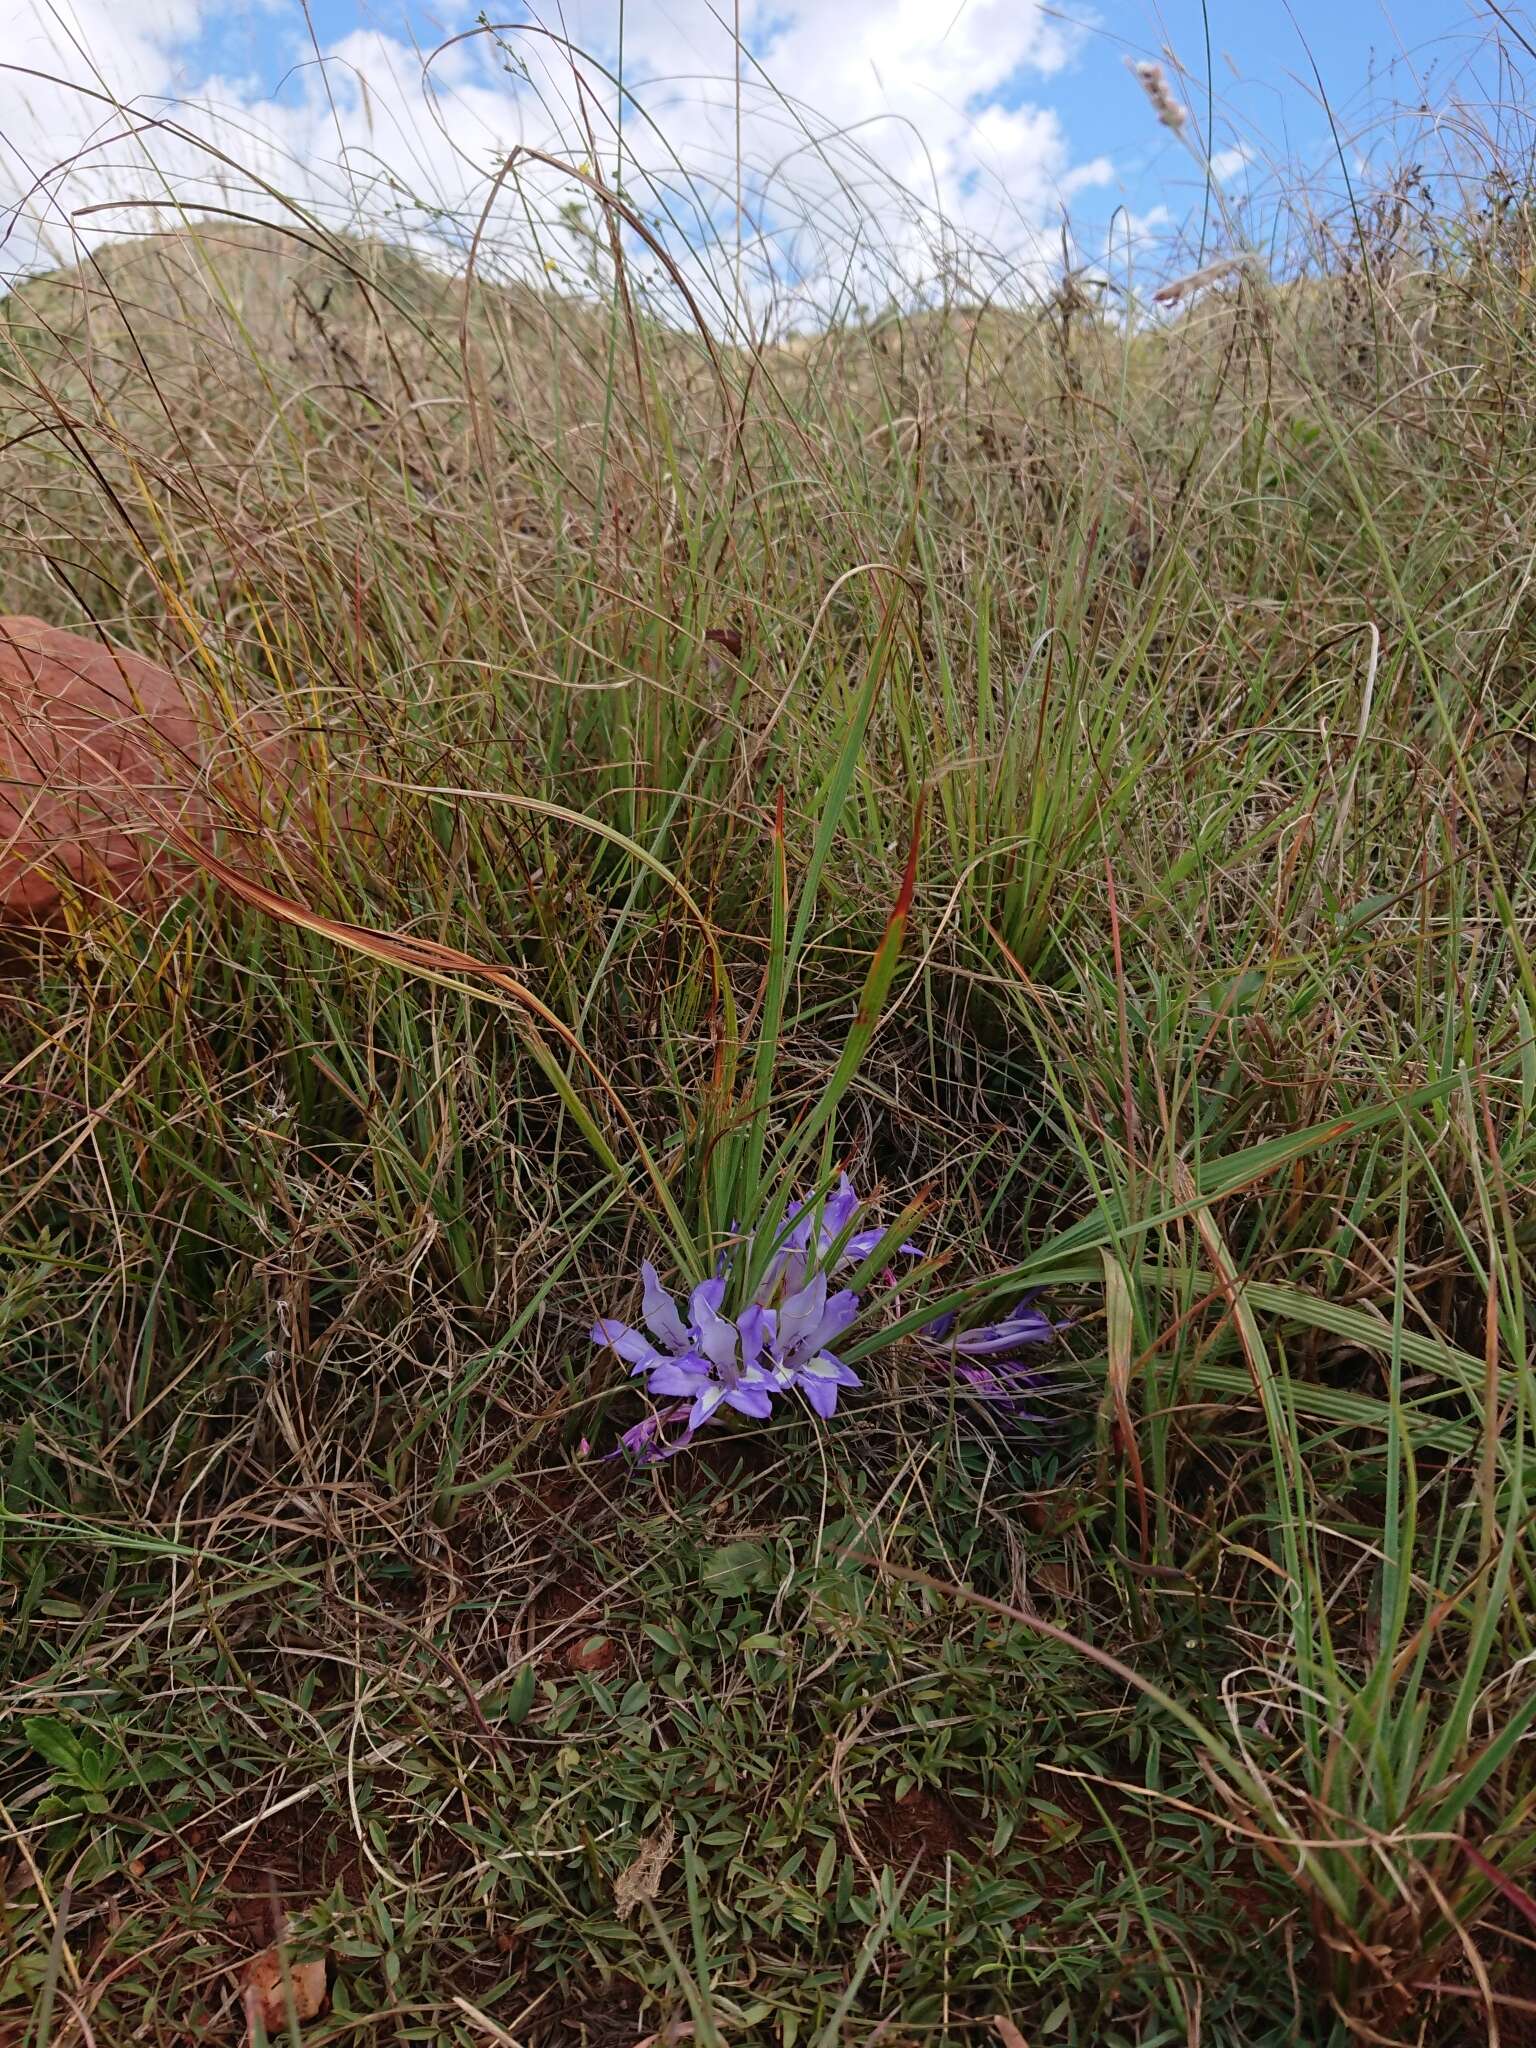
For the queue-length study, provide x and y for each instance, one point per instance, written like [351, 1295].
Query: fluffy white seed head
[1154, 83]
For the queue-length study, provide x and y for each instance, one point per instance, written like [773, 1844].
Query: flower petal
[717, 1333]
[863, 1242]
[800, 1314]
[709, 1399]
[994, 1339]
[680, 1376]
[1006, 1388]
[754, 1401]
[843, 1374]
[837, 1315]
[839, 1212]
[644, 1442]
[656, 1452]
[822, 1394]
[755, 1325]
[632, 1346]
[798, 1237]
[773, 1273]
[660, 1311]
[706, 1299]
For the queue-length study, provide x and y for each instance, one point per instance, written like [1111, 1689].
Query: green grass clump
[628, 665]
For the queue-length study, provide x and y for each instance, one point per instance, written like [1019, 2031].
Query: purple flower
[986, 1358]
[1022, 1325]
[710, 1362]
[793, 1338]
[837, 1212]
[778, 1343]
[645, 1443]
[697, 1360]
[672, 1344]
[1006, 1387]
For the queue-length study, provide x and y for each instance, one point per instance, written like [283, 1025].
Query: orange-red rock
[100, 750]
[268, 1987]
[592, 1653]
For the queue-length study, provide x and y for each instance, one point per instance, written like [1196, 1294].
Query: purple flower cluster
[711, 1362]
[987, 1361]
[703, 1361]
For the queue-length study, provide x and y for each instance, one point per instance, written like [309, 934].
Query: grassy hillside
[1193, 665]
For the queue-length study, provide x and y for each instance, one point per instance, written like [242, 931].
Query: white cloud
[881, 140]
[1226, 163]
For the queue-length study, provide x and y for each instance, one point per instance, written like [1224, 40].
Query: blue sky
[997, 115]
[1266, 58]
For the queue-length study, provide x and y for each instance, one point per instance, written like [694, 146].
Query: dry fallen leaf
[642, 1880]
[265, 1999]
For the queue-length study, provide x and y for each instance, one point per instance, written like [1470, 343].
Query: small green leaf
[735, 1568]
[520, 1696]
[54, 1744]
